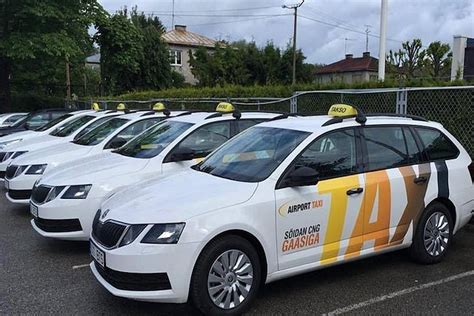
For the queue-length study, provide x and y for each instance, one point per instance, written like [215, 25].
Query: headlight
[18, 153]
[55, 191]
[36, 169]
[77, 191]
[164, 234]
[132, 233]
[20, 170]
[13, 154]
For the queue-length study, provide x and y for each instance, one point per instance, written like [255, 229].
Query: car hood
[33, 143]
[54, 155]
[176, 198]
[95, 169]
[14, 136]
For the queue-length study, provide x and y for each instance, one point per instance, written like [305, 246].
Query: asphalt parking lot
[43, 276]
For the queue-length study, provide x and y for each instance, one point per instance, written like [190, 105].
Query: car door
[317, 223]
[394, 186]
[197, 145]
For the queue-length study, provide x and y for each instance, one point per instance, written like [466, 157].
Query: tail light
[471, 171]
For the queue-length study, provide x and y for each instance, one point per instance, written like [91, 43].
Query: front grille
[134, 281]
[108, 233]
[19, 194]
[2, 174]
[11, 170]
[2, 156]
[58, 225]
[40, 193]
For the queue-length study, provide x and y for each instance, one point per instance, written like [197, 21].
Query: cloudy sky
[326, 28]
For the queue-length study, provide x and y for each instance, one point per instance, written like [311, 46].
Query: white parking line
[80, 266]
[399, 293]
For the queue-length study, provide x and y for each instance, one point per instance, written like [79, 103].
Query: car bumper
[67, 219]
[175, 261]
[19, 188]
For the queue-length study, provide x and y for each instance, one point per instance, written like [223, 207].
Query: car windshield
[101, 132]
[154, 140]
[21, 121]
[71, 126]
[252, 155]
[53, 122]
[92, 125]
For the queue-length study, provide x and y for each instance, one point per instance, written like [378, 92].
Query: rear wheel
[226, 277]
[433, 235]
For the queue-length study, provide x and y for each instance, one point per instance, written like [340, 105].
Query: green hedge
[279, 91]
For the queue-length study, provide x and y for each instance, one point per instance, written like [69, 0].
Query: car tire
[226, 284]
[433, 235]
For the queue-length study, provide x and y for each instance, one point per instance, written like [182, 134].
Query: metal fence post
[294, 103]
[401, 106]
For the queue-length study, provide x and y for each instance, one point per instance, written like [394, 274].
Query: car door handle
[355, 191]
[420, 180]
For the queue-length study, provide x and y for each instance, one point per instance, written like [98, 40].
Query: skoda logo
[104, 214]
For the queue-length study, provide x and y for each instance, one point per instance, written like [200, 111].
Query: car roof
[197, 117]
[314, 123]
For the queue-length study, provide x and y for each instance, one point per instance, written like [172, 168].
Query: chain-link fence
[451, 106]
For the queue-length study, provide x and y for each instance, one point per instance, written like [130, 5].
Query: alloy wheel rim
[436, 234]
[230, 279]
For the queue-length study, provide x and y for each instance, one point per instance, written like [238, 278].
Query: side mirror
[301, 177]
[117, 143]
[181, 154]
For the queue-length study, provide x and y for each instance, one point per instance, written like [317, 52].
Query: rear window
[436, 145]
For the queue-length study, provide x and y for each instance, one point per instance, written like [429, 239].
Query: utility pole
[367, 31]
[172, 18]
[383, 38]
[295, 8]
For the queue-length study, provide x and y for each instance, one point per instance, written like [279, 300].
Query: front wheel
[226, 277]
[433, 235]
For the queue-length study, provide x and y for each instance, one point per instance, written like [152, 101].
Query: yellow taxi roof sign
[225, 107]
[159, 106]
[95, 106]
[121, 107]
[342, 110]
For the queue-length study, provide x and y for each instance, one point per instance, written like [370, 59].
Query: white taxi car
[284, 198]
[14, 138]
[66, 131]
[24, 171]
[65, 201]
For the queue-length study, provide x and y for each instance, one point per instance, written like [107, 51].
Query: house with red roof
[350, 70]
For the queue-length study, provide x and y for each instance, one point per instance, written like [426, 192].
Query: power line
[238, 21]
[346, 28]
[211, 10]
[222, 15]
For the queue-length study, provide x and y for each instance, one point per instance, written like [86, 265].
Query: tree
[42, 32]
[133, 55]
[413, 56]
[438, 59]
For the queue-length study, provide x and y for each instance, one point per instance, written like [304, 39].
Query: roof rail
[148, 113]
[236, 114]
[413, 117]
[284, 116]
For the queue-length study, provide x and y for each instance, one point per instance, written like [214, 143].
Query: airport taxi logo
[289, 208]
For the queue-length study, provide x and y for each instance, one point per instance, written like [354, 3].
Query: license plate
[7, 185]
[34, 210]
[97, 254]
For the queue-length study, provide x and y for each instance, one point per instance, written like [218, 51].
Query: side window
[131, 131]
[242, 125]
[436, 145]
[386, 147]
[205, 139]
[332, 155]
[414, 153]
